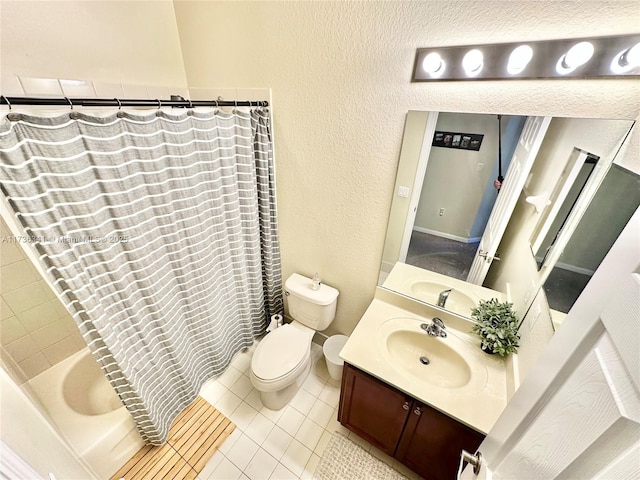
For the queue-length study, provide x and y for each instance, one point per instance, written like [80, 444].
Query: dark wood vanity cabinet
[422, 438]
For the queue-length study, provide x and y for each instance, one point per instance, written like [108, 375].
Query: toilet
[282, 359]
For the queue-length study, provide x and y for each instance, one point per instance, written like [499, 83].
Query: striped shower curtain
[159, 233]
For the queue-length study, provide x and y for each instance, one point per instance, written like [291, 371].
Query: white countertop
[478, 404]
[406, 279]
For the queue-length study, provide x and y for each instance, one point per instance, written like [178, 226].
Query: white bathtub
[88, 413]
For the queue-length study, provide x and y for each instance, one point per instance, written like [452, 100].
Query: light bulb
[626, 60]
[472, 62]
[519, 59]
[577, 55]
[433, 64]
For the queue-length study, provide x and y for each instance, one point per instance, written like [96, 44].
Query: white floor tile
[309, 433]
[242, 386]
[336, 382]
[261, 466]
[322, 443]
[282, 473]
[241, 362]
[244, 477]
[273, 415]
[319, 369]
[243, 415]
[303, 401]
[253, 399]
[228, 403]
[259, 428]
[277, 442]
[290, 420]
[296, 457]
[226, 471]
[313, 384]
[230, 441]
[242, 452]
[321, 413]
[211, 465]
[335, 426]
[310, 467]
[229, 376]
[330, 395]
[212, 391]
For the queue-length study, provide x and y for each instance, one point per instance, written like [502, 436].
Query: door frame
[416, 191]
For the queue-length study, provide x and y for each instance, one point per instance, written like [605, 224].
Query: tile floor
[277, 445]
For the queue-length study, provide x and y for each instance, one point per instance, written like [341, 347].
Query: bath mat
[194, 437]
[343, 459]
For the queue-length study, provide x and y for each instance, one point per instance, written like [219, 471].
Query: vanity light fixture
[519, 59]
[577, 56]
[473, 62]
[598, 57]
[433, 65]
[627, 59]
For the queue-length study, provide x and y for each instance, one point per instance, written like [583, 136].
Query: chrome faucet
[436, 328]
[442, 298]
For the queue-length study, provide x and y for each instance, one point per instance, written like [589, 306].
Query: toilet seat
[282, 353]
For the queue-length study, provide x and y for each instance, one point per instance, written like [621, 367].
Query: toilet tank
[314, 308]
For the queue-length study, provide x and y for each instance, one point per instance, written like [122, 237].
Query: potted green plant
[497, 325]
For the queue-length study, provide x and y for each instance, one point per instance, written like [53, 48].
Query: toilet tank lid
[300, 286]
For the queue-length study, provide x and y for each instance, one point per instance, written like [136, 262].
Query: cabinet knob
[417, 411]
[406, 405]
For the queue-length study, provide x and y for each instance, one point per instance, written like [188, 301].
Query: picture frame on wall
[458, 140]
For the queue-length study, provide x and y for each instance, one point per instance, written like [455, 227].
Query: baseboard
[573, 268]
[319, 338]
[447, 235]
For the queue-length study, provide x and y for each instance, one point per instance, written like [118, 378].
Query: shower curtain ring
[119, 103]
[6, 100]
[70, 102]
[159, 103]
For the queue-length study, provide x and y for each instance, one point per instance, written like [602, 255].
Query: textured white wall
[339, 73]
[110, 41]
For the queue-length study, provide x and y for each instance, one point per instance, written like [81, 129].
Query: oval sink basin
[448, 363]
[446, 368]
[457, 301]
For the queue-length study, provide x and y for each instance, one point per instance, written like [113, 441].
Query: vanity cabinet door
[372, 409]
[432, 442]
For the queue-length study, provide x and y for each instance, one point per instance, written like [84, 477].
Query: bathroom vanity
[417, 397]
[419, 436]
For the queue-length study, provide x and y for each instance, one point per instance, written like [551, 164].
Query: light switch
[403, 192]
[479, 167]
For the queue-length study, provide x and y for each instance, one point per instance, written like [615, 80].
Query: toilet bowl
[282, 359]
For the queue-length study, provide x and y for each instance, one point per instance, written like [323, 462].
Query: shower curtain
[159, 233]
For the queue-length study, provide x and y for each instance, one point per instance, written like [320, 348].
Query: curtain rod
[175, 101]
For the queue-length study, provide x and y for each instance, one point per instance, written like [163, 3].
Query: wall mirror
[607, 213]
[445, 202]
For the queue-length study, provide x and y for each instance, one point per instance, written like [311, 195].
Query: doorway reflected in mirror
[441, 255]
[615, 201]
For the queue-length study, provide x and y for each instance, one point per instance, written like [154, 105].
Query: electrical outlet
[441, 213]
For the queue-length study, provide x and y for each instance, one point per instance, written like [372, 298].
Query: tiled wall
[35, 328]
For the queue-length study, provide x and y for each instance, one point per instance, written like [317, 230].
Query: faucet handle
[439, 322]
